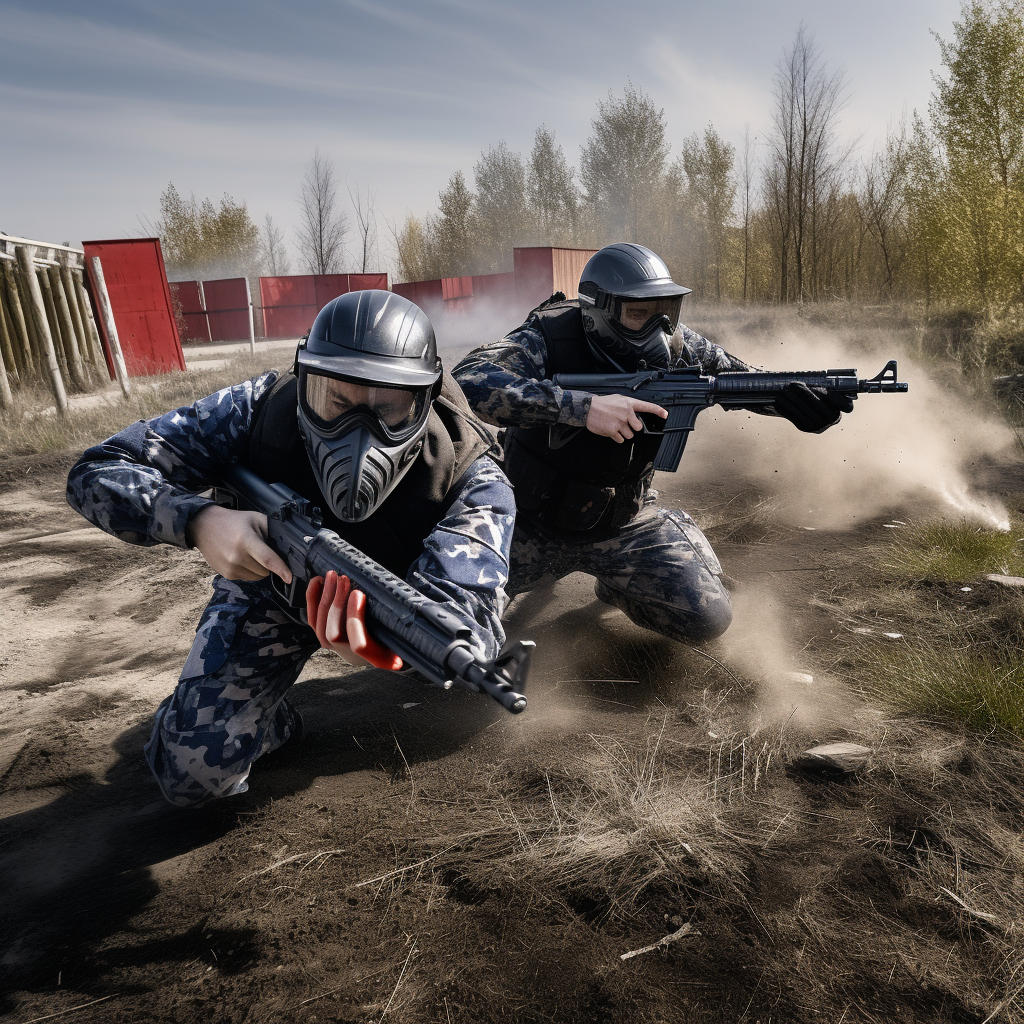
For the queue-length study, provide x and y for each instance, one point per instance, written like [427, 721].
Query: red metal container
[542, 270]
[140, 299]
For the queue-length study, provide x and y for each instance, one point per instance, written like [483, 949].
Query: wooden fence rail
[47, 322]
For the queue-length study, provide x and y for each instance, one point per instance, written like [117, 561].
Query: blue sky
[103, 103]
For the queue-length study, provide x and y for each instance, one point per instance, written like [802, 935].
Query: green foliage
[967, 180]
[708, 164]
[978, 112]
[552, 192]
[500, 213]
[200, 240]
[451, 230]
[622, 165]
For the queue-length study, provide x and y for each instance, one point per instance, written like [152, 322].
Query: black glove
[812, 410]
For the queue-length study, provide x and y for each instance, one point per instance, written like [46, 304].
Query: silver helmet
[630, 306]
[367, 374]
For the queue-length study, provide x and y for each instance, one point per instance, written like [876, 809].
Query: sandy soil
[424, 856]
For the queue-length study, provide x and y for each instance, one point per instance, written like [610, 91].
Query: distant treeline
[936, 214]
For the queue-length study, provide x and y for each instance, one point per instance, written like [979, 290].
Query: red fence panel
[456, 288]
[140, 298]
[327, 287]
[289, 305]
[357, 282]
[189, 296]
[227, 308]
[426, 294]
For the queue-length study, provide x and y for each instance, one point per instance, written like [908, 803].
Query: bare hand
[337, 614]
[234, 544]
[615, 416]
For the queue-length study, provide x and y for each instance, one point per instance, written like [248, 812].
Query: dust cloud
[486, 320]
[893, 450]
[759, 646]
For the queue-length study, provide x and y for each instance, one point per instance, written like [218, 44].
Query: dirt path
[424, 856]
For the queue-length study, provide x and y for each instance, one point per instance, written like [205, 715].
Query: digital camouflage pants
[659, 569]
[229, 706]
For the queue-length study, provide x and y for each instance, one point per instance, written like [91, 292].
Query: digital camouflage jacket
[144, 484]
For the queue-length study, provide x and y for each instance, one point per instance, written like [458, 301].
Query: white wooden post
[120, 370]
[38, 312]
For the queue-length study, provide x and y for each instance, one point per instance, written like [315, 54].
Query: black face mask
[626, 351]
[359, 453]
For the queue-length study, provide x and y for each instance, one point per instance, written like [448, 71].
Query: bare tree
[323, 228]
[804, 174]
[884, 201]
[365, 207]
[275, 255]
[747, 186]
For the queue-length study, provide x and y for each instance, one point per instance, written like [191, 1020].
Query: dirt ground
[425, 856]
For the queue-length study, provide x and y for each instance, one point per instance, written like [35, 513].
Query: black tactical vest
[393, 535]
[590, 483]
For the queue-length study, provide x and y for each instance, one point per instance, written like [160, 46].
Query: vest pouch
[582, 506]
[531, 478]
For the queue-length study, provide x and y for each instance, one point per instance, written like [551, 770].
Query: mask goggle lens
[330, 401]
[637, 315]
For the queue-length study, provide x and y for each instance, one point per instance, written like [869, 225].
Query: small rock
[893, 636]
[1006, 581]
[835, 757]
[799, 677]
[965, 590]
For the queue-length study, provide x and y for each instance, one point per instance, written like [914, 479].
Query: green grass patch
[953, 553]
[982, 687]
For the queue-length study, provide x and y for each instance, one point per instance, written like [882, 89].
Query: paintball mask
[630, 306]
[367, 375]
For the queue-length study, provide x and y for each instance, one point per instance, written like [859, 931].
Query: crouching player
[368, 428]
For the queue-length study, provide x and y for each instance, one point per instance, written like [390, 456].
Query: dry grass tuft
[25, 430]
[756, 522]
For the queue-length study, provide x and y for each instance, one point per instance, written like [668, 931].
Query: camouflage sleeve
[692, 349]
[465, 558]
[142, 484]
[505, 383]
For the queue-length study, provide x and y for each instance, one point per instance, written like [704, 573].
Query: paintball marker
[684, 392]
[424, 634]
